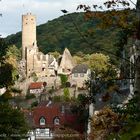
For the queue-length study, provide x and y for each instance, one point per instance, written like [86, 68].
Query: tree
[6, 96]
[55, 54]
[77, 59]
[12, 50]
[64, 79]
[7, 75]
[12, 123]
[9, 66]
[3, 47]
[103, 123]
[34, 75]
[81, 99]
[119, 18]
[99, 64]
[66, 94]
[117, 15]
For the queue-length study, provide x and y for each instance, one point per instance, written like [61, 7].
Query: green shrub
[34, 104]
[64, 79]
[30, 96]
[66, 94]
[57, 98]
[16, 90]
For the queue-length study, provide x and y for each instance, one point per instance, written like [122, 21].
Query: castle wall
[36, 62]
[41, 64]
[29, 61]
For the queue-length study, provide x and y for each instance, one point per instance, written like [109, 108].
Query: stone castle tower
[28, 33]
[33, 61]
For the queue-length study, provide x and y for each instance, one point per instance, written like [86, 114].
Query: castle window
[56, 121]
[43, 69]
[42, 121]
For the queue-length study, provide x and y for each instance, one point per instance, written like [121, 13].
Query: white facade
[40, 133]
[36, 91]
[80, 78]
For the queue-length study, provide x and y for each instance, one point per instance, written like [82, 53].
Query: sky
[45, 10]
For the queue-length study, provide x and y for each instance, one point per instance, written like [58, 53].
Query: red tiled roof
[36, 85]
[50, 113]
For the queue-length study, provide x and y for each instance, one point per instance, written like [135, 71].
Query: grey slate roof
[81, 68]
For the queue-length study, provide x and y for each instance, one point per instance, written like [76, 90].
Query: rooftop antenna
[25, 7]
[0, 13]
[0, 16]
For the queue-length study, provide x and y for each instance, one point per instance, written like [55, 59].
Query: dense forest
[70, 31]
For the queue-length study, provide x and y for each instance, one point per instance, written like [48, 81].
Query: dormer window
[56, 121]
[42, 121]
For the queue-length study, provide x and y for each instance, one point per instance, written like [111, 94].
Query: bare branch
[132, 2]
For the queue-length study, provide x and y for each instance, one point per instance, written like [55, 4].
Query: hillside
[59, 33]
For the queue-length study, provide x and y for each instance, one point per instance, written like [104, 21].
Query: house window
[82, 75]
[75, 74]
[56, 121]
[42, 121]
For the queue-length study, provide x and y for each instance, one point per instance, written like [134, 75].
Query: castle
[33, 61]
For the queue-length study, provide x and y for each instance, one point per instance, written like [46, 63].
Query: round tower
[28, 32]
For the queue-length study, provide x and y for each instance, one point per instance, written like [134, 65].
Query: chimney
[50, 102]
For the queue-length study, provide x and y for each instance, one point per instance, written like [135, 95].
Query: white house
[80, 74]
[36, 88]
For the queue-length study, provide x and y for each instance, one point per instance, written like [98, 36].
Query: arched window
[42, 121]
[56, 121]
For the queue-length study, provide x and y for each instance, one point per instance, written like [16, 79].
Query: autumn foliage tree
[117, 17]
[103, 123]
[8, 64]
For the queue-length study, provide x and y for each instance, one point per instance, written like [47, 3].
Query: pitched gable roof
[81, 68]
[36, 85]
[49, 113]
